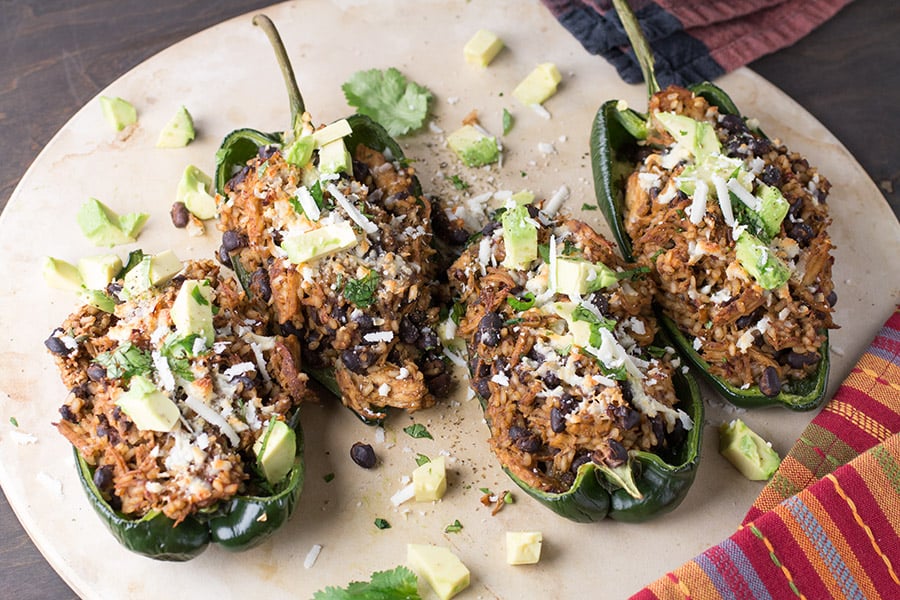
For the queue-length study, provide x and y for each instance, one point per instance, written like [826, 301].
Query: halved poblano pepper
[614, 142]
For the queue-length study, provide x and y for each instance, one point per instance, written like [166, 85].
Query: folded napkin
[693, 40]
[828, 523]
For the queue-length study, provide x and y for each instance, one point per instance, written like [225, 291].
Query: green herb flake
[389, 98]
[421, 459]
[329, 477]
[523, 174]
[656, 351]
[708, 325]
[508, 121]
[177, 350]
[397, 584]
[632, 273]
[680, 213]
[486, 491]
[458, 183]
[418, 431]
[198, 296]
[508, 498]
[454, 527]
[125, 362]
[587, 206]
[295, 204]
[361, 292]
[14, 422]
[510, 322]
[316, 192]
[657, 254]
[262, 169]
[456, 314]
[382, 523]
[525, 303]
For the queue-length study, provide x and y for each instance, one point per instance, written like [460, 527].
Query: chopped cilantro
[328, 477]
[417, 431]
[708, 325]
[14, 422]
[198, 296]
[262, 169]
[397, 584]
[134, 259]
[388, 97]
[508, 498]
[656, 254]
[680, 213]
[656, 351]
[509, 322]
[618, 373]
[316, 192]
[457, 312]
[361, 292]
[382, 523]
[454, 527]
[569, 248]
[523, 174]
[458, 183]
[486, 491]
[544, 252]
[421, 459]
[525, 303]
[632, 273]
[587, 206]
[295, 204]
[177, 350]
[508, 121]
[125, 362]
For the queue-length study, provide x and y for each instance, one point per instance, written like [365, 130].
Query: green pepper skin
[612, 148]
[663, 486]
[235, 526]
[237, 148]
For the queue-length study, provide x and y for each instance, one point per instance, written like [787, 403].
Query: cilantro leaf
[454, 527]
[388, 97]
[397, 584]
[125, 362]
[508, 121]
[457, 312]
[361, 292]
[458, 183]
[382, 523]
[525, 303]
[14, 421]
[417, 431]
[421, 459]
[587, 206]
[178, 350]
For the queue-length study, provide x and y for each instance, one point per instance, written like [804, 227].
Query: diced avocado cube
[193, 190]
[102, 226]
[760, 262]
[299, 152]
[772, 208]
[430, 480]
[332, 132]
[61, 274]
[747, 451]
[192, 313]
[178, 132]
[707, 143]
[98, 271]
[579, 277]
[148, 407]
[152, 270]
[523, 547]
[523, 197]
[698, 137]
[519, 238]
[119, 113]
[275, 451]
[442, 569]
[539, 85]
[334, 158]
[473, 147]
[482, 48]
[310, 245]
[98, 299]
[580, 331]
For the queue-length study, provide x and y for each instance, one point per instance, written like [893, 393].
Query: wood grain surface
[55, 55]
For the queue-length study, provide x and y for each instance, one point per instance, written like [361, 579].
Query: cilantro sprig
[361, 292]
[388, 97]
[125, 362]
[396, 584]
[417, 431]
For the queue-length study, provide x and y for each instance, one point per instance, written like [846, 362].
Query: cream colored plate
[228, 78]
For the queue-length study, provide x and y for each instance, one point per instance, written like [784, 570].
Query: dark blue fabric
[680, 58]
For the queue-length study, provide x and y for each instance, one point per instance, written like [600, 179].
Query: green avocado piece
[152, 270]
[747, 451]
[519, 238]
[98, 299]
[148, 407]
[579, 277]
[192, 311]
[61, 274]
[275, 451]
[119, 113]
[193, 190]
[334, 158]
[98, 271]
[473, 147]
[310, 245]
[178, 132]
[300, 151]
[772, 208]
[699, 137]
[758, 260]
[102, 226]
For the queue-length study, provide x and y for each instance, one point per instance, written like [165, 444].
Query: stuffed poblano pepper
[589, 411]
[734, 226]
[183, 410]
[329, 227]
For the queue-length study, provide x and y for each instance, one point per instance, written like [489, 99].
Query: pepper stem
[290, 82]
[638, 43]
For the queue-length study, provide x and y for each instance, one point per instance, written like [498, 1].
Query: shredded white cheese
[213, 418]
[556, 200]
[697, 210]
[541, 111]
[308, 204]
[454, 357]
[352, 212]
[238, 369]
[551, 284]
[403, 495]
[546, 148]
[312, 556]
[22, 438]
[384, 389]
[166, 377]
[743, 195]
[379, 336]
[724, 200]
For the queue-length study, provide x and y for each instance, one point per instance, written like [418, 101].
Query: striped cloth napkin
[828, 523]
[693, 40]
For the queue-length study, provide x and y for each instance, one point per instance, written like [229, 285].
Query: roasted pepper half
[615, 136]
[239, 524]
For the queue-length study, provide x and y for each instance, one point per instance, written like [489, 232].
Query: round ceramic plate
[228, 78]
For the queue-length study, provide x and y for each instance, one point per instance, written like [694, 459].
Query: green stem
[639, 43]
[290, 82]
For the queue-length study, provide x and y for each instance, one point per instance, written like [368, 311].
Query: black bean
[180, 215]
[96, 372]
[532, 211]
[831, 298]
[735, 146]
[482, 387]
[259, 283]
[530, 443]
[557, 420]
[551, 380]
[363, 455]
[759, 146]
[536, 356]
[248, 383]
[288, 328]
[428, 339]
[821, 196]
[232, 240]
[658, 426]
[580, 459]
[356, 359]
[489, 229]
[654, 192]
[103, 430]
[115, 502]
[238, 178]
[489, 329]
[747, 320]
[360, 171]
[627, 392]
[312, 358]
[769, 382]
[676, 437]
[440, 385]
[799, 360]
[55, 345]
[103, 477]
[625, 416]
[733, 124]
[517, 432]
[567, 403]
[801, 233]
[67, 414]
[364, 322]
[267, 151]
[601, 302]
[771, 175]
[82, 390]
[432, 366]
[616, 455]
[451, 232]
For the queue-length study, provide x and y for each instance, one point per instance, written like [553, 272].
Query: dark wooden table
[55, 55]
